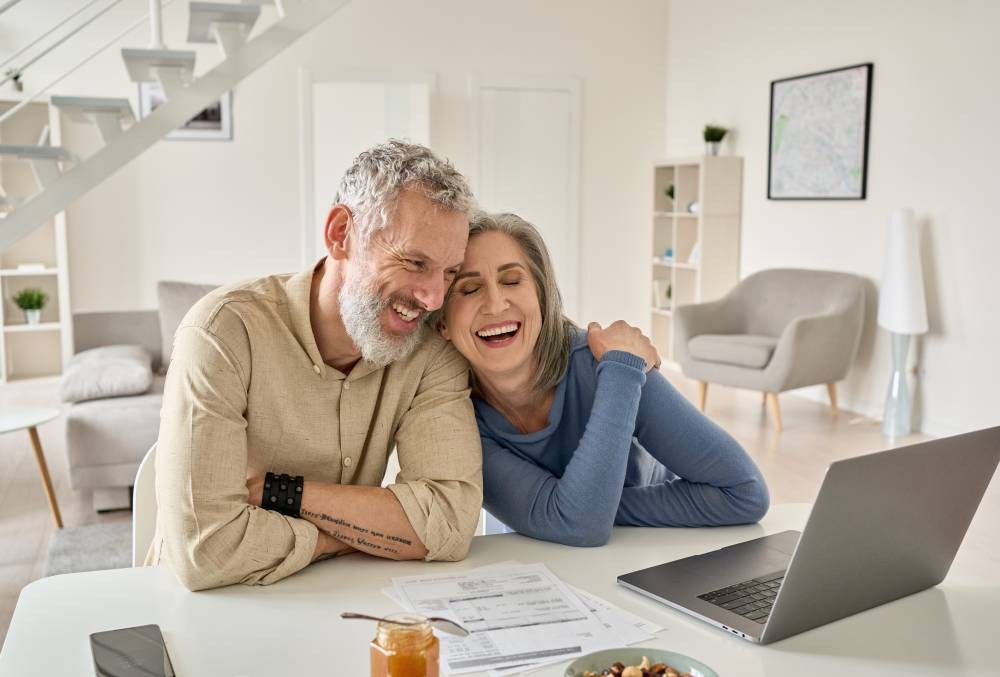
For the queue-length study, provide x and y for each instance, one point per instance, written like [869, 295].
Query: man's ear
[443, 330]
[339, 231]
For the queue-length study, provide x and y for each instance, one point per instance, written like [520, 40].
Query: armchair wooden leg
[702, 395]
[772, 401]
[831, 388]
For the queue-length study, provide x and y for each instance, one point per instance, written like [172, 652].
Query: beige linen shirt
[247, 391]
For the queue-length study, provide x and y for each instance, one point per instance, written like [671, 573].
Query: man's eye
[413, 263]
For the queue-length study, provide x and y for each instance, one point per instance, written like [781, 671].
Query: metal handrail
[49, 32]
[33, 97]
[20, 70]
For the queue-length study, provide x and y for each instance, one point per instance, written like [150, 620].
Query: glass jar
[405, 650]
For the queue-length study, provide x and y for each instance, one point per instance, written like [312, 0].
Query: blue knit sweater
[621, 447]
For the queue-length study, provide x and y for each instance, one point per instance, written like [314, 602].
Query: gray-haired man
[294, 389]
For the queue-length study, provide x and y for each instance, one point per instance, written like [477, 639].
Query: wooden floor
[793, 463]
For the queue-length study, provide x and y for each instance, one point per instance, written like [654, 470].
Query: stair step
[72, 105]
[36, 152]
[8, 204]
[151, 65]
[107, 113]
[205, 14]
[44, 160]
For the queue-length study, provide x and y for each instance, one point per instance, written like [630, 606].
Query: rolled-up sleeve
[208, 533]
[440, 484]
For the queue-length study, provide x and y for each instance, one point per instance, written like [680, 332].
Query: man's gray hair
[374, 180]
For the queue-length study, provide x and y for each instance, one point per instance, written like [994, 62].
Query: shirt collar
[299, 290]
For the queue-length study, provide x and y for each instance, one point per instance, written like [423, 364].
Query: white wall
[216, 212]
[934, 147]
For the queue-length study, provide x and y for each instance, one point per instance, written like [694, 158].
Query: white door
[342, 115]
[526, 147]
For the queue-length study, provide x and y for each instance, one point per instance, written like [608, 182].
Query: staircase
[62, 177]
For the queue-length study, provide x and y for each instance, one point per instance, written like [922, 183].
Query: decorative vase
[33, 316]
[711, 148]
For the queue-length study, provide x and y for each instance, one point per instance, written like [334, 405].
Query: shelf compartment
[24, 327]
[14, 272]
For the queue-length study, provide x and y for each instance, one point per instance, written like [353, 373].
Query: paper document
[498, 593]
[516, 615]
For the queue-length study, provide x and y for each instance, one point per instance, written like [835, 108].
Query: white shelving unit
[29, 351]
[700, 226]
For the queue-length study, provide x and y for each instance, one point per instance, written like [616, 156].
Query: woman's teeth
[405, 313]
[505, 329]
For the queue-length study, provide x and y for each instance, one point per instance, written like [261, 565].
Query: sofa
[114, 413]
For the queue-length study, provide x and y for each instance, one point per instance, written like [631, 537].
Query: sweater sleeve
[717, 482]
[579, 507]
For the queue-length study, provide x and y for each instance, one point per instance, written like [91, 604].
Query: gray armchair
[777, 330]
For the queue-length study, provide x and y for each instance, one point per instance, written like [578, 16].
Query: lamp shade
[901, 305]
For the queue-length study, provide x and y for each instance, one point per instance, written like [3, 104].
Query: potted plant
[713, 136]
[669, 192]
[31, 300]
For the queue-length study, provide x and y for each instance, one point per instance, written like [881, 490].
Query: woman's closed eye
[466, 291]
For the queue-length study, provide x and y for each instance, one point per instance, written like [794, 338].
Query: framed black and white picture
[214, 123]
[819, 126]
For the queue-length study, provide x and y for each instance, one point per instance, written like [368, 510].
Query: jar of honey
[405, 646]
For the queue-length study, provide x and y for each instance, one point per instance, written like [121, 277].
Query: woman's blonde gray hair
[554, 339]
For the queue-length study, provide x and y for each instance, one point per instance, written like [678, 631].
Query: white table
[19, 418]
[293, 627]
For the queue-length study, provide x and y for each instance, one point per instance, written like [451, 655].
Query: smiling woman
[580, 431]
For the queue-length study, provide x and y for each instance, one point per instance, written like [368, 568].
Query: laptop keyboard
[751, 599]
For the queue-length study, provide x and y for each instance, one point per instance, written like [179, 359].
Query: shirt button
[316, 368]
[347, 385]
[347, 462]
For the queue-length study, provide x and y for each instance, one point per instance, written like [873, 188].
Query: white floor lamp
[903, 311]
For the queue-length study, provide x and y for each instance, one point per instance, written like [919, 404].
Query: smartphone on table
[131, 652]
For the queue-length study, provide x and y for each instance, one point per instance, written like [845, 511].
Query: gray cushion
[109, 371]
[744, 350]
[175, 300]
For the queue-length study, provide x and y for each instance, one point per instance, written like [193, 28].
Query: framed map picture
[819, 135]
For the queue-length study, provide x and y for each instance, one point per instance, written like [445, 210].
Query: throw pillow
[109, 371]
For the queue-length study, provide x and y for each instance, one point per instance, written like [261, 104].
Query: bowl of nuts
[638, 662]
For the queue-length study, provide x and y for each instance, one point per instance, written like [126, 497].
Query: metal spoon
[442, 624]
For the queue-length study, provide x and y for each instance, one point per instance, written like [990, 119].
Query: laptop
[883, 526]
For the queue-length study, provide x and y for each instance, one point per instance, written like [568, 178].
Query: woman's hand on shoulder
[620, 335]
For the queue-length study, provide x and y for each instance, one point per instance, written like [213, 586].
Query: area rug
[90, 548]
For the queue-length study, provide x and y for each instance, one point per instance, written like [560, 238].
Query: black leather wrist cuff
[283, 493]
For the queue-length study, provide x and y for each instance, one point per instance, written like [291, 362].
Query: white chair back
[144, 507]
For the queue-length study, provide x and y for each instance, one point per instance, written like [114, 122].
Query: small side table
[19, 418]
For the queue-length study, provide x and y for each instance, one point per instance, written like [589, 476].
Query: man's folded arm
[211, 535]
[440, 484]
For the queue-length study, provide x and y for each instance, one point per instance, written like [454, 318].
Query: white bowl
[632, 655]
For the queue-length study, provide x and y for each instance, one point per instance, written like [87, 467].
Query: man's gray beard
[360, 311]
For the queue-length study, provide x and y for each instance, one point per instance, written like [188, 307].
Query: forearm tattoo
[358, 536]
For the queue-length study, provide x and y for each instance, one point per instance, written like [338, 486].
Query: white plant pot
[33, 316]
[712, 147]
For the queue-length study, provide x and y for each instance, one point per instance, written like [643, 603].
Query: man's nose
[431, 292]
